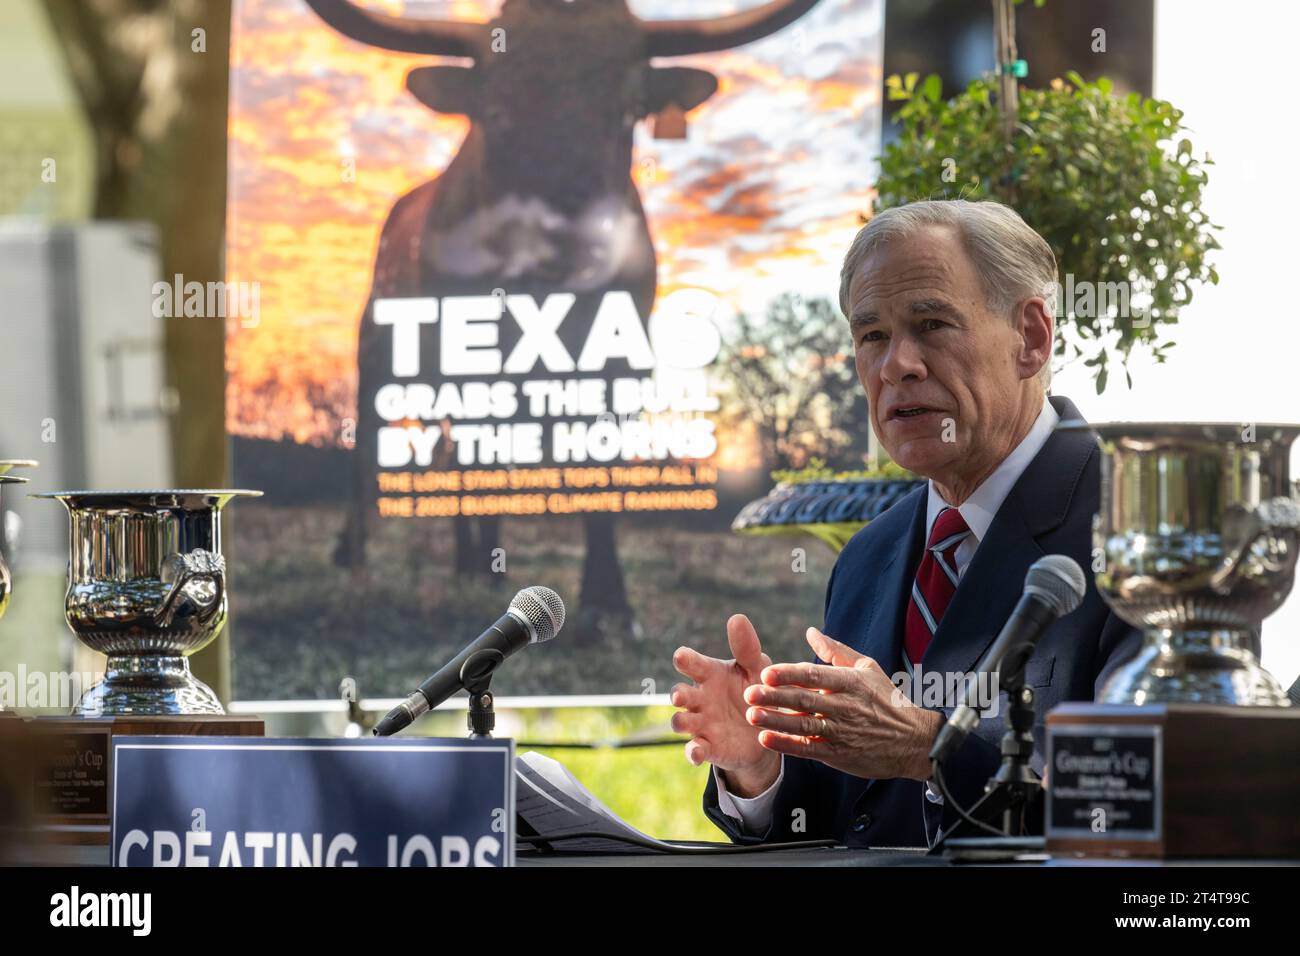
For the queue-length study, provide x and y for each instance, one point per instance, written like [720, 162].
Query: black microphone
[1054, 587]
[535, 615]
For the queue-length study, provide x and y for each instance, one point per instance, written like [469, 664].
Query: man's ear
[1037, 329]
[445, 89]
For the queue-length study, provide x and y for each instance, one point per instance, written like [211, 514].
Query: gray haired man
[950, 307]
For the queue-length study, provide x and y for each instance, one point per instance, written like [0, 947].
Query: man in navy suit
[950, 307]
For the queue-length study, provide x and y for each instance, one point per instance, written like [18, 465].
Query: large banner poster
[546, 290]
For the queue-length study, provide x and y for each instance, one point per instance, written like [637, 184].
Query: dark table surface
[47, 855]
[794, 856]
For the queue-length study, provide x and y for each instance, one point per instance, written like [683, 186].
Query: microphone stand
[1013, 797]
[476, 675]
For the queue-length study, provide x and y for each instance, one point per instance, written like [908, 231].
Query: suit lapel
[884, 630]
[985, 596]
[1038, 503]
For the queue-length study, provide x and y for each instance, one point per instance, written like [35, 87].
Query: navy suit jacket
[1049, 510]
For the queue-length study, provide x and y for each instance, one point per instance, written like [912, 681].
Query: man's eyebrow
[925, 306]
[920, 307]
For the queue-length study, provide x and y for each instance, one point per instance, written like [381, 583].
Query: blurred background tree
[792, 375]
[153, 78]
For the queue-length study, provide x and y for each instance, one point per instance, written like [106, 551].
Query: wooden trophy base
[1173, 781]
[71, 772]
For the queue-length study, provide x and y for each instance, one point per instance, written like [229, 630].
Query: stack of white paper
[552, 801]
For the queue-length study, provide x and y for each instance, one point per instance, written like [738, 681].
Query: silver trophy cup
[147, 588]
[1195, 543]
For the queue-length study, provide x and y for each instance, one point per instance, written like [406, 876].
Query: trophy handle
[1274, 518]
[198, 565]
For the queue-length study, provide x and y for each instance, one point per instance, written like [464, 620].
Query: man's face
[944, 376]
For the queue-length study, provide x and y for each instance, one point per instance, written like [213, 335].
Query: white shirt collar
[978, 510]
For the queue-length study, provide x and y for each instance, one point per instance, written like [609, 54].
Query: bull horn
[430, 37]
[683, 37]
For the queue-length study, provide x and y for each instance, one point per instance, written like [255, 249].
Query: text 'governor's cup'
[147, 588]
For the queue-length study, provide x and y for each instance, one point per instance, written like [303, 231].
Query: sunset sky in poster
[762, 198]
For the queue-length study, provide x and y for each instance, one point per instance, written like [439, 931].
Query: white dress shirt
[755, 813]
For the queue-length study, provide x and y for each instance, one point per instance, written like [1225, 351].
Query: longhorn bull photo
[539, 199]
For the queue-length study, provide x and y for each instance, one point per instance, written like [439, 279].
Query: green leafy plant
[817, 470]
[1108, 181]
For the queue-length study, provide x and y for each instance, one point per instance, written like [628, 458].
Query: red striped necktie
[936, 581]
